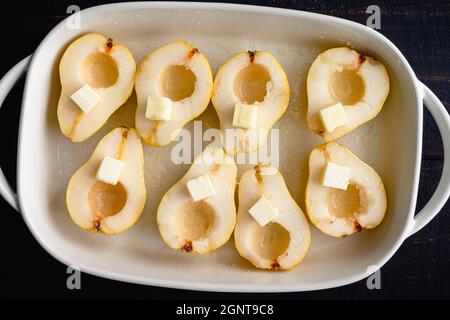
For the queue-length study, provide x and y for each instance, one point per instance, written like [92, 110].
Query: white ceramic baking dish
[46, 159]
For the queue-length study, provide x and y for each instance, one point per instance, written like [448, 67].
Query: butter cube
[85, 98]
[263, 212]
[158, 108]
[200, 188]
[245, 116]
[333, 117]
[110, 170]
[336, 176]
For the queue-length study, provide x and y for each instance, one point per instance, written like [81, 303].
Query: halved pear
[177, 71]
[285, 240]
[97, 206]
[337, 212]
[252, 78]
[205, 225]
[357, 81]
[106, 67]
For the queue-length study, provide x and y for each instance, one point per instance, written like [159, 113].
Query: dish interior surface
[47, 159]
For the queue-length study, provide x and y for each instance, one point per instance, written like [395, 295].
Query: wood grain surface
[420, 29]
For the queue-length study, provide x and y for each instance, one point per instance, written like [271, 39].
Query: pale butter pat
[333, 117]
[200, 188]
[336, 176]
[110, 170]
[263, 212]
[158, 108]
[245, 116]
[85, 98]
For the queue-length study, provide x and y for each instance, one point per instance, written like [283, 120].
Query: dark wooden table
[420, 29]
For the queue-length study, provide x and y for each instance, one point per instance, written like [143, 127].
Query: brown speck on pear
[275, 265]
[192, 52]
[109, 44]
[187, 246]
[251, 55]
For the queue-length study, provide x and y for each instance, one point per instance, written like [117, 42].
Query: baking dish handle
[440, 196]
[6, 84]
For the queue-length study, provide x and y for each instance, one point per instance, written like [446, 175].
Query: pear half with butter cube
[347, 196]
[97, 77]
[107, 194]
[173, 86]
[271, 230]
[250, 94]
[197, 214]
[345, 89]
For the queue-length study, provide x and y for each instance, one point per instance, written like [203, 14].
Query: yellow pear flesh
[342, 75]
[179, 72]
[337, 212]
[284, 241]
[98, 206]
[250, 78]
[108, 68]
[204, 225]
